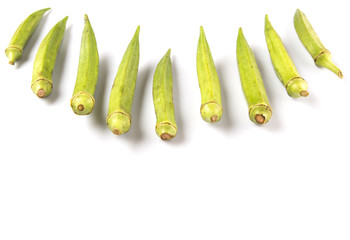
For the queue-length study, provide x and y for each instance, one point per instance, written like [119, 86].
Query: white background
[64, 176]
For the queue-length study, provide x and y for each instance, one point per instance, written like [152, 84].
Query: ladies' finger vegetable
[283, 64]
[313, 44]
[211, 107]
[123, 89]
[45, 60]
[82, 101]
[22, 35]
[163, 99]
[253, 87]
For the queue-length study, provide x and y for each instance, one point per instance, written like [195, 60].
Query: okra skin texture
[313, 44]
[284, 67]
[163, 98]
[45, 59]
[22, 35]
[82, 101]
[123, 89]
[211, 106]
[252, 85]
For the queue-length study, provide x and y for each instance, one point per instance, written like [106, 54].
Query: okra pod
[22, 35]
[123, 89]
[45, 59]
[313, 44]
[163, 99]
[252, 84]
[82, 101]
[211, 106]
[284, 67]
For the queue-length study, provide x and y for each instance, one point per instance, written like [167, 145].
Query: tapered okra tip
[86, 18]
[168, 52]
[137, 30]
[260, 118]
[11, 63]
[340, 74]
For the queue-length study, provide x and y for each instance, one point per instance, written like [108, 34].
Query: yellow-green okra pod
[45, 59]
[284, 67]
[313, 44]
[252, 85]
[82, 101]
[22, 35]
[211, 107]
[123, 89]
[163, 99]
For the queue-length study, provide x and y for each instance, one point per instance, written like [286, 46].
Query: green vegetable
[163, 99]
[45, 60]
[313, 44]
[123, 90]
[22, 35]
[82, 101]
[283, 64]
[211, 107]
[253, 87]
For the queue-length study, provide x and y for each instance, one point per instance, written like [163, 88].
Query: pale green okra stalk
[211, 106]
[45, 60]
[123, 89]
[22, 35]
[313, 44]
[284, 67]
[163, 99]
[252, 85]
[82, 101]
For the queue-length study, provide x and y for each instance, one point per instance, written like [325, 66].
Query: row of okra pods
[122, 93]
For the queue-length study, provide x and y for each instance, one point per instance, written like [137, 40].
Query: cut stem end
[166, 136]
[259, 118]
[80, 107]
[117, 132]
[41, 93]
[214, 118]
[11, 63]
[304, 93]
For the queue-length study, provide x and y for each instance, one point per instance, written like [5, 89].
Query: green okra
[313, 44]
[252, 84]
[284, 67]
[82, 101]
[22, 35]
[45, 59]
[211, 106]
[123, 89]
[163, 99]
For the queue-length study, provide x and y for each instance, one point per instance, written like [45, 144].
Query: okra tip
[211, 112]
[166, 130]
[119, 122]
[82, 103]
[260, 113]
[42, 88]
[297, 87]
[86, 18]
